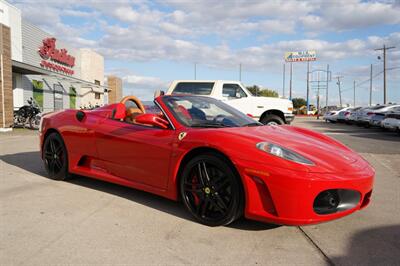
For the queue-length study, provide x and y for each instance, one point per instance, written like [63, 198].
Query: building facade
[54, 73]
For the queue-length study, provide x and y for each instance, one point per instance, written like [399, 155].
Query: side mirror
[238, 95]
[152, 120]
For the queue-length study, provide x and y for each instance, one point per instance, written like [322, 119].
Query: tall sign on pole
[302, 56]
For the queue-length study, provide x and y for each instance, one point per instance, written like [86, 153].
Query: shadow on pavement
[31, 162]
[376, 246]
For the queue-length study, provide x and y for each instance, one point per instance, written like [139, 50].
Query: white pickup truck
[267, 110]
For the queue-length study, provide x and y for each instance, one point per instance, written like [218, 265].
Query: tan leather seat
[131, 113]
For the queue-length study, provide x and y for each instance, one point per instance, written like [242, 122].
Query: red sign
[48, 51]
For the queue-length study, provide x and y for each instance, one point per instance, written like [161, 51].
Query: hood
[262, 99]
[328, 155]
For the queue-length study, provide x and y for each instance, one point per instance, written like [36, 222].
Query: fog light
[336, 200]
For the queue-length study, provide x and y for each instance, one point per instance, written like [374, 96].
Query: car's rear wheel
[211, 190]
[272, 120]
[55, 157]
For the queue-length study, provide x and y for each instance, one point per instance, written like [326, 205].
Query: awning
[26, 69]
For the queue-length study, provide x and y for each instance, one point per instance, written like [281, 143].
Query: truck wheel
[272, 120]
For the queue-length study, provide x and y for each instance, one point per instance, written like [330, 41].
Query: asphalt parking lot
[85, 221]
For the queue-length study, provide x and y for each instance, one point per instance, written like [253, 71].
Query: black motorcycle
[28, 115]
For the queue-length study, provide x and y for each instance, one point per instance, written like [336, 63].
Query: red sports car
[219, 162]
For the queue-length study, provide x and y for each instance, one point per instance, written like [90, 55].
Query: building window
[97, 95]
[97, 82]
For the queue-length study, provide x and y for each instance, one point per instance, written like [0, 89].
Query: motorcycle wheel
[34, 122]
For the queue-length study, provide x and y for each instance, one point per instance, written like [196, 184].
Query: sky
[150, 43]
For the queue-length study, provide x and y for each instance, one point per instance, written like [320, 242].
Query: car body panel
[276, 190]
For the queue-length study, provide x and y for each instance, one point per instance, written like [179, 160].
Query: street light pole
[240, 72]
[384, 49]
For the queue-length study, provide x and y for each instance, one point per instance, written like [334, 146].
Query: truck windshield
[197, 111]
[197, 88]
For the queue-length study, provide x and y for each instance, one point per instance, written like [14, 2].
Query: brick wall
[6, 82]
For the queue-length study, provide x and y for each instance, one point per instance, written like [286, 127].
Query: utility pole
[354, 91]
[283, 82]
[240, 72]
[340, 91]
[327, 85]
[290, 84]
[370, 87]
[195, 71]
[384, 49]
[308, 86]
[318, 111]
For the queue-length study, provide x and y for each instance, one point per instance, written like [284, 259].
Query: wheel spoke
[48, 155]
[52, 146]
[52, 166]
[58, 150]
[214, 204]
[220, 202]
[192, 187]
[58, 163]
[222, 184]
[205, 172]
[204, 207]
[202, 180]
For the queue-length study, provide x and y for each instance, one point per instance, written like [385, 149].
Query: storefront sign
[61, 60]
[300, 56]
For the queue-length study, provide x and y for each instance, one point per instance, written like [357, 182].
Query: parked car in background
[364, 114]
[350, 118]
[267, 110]
[336, 116]
[330, 116]
[377, 117]
[343, 113]
[391, 121]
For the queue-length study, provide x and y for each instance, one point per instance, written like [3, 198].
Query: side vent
[80, 115]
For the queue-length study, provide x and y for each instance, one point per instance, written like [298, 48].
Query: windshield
[197, 111]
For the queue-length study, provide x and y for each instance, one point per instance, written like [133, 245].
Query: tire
[211, 190]
[272, 120]
[55, 157]
[34, 122]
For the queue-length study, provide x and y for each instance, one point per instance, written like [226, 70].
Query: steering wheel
[136, 101]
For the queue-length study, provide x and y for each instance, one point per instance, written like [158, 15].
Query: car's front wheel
[272, 120]
[55, 157]
[211, 190]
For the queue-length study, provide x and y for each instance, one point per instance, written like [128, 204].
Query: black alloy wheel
[55, 157]
[211, 190]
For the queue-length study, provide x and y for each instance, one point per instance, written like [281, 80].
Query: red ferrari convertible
[219, 162]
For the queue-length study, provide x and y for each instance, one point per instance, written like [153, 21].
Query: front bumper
[289, 118]
[282, 196]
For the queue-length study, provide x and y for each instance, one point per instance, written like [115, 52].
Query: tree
[298, 102]
[257, 91]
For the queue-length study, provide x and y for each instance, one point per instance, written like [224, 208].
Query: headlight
[284, 153]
